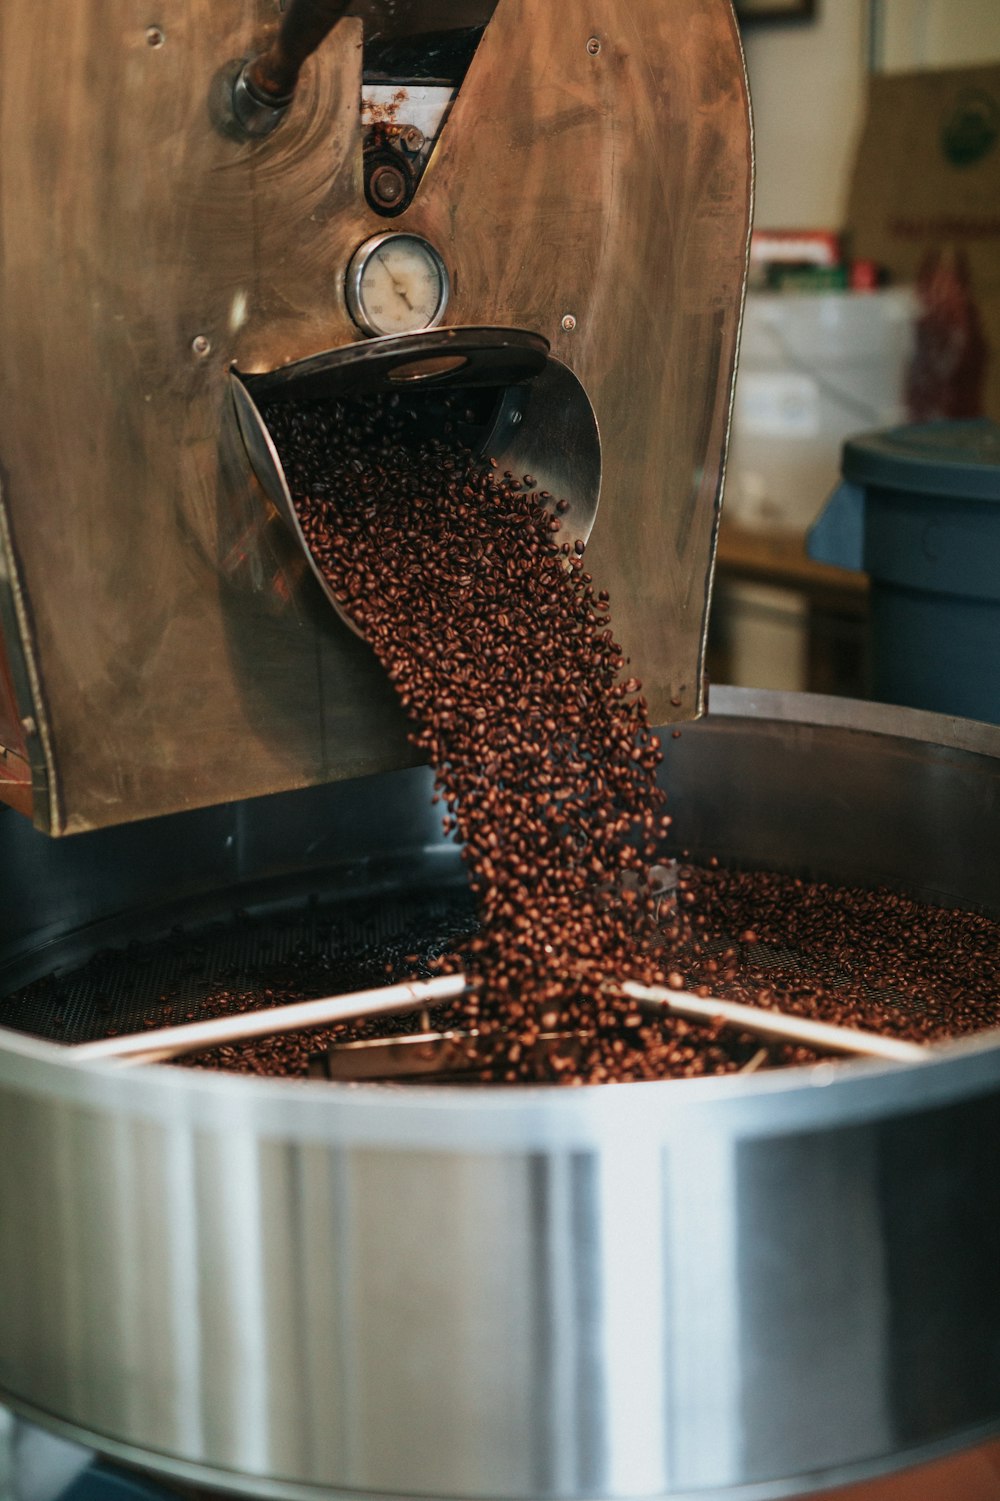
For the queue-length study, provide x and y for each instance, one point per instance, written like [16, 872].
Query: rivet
[594, 46]
[155, 36]
[201, 346]
[568, 323]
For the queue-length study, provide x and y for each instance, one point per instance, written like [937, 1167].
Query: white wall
[936, 33]
[808, 84]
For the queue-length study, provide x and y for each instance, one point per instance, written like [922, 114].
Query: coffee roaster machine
[748, 1287]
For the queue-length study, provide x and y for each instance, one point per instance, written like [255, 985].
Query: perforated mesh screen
[309, 949]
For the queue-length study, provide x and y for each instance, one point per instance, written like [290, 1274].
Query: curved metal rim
[355, 276]
[387, 351]
[247, 415]
[812, 1097]
[236, 1482]
[889, 721]
[809, 1097]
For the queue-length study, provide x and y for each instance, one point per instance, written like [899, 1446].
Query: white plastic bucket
[814, 369]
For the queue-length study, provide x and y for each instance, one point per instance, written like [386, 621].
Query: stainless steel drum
[755, 1285]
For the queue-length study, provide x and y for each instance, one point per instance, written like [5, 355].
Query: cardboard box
[925, 204]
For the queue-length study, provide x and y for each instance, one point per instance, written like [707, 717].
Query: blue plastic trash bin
[919, 511]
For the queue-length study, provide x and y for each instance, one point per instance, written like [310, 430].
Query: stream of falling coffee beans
[501, 650]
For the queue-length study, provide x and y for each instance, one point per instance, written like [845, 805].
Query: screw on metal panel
[569, 323]
[594, 46]
[201, 346]
[155, 36]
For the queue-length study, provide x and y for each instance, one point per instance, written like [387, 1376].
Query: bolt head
[569, 323]
[388, 186]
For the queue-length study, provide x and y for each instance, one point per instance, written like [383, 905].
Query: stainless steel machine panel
[591, 185]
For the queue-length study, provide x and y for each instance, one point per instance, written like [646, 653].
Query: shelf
[780, 560]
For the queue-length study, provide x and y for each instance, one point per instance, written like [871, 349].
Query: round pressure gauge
[396, 284]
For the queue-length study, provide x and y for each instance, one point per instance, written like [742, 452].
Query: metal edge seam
[701, 702]
[857, 716]
[15, 618]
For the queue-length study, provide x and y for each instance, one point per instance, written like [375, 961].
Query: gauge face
[396, 284]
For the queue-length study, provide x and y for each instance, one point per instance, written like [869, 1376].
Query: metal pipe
[777, 1026]
[273, 75]
[173, 1042]
[264, 87]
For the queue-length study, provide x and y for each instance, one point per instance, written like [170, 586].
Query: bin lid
[959, 460]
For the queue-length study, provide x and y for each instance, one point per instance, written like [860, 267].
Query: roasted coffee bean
[502, 654]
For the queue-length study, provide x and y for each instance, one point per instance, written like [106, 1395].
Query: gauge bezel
[354, 279]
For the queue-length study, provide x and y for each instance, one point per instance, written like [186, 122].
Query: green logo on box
[972, 130]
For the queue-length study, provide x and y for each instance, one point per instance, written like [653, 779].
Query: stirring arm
[775, 1026]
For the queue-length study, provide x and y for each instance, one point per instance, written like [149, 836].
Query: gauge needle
[399, 290]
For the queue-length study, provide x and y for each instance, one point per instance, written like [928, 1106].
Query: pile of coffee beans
[870, 959]
[856, 957]
[502, 653]
[501, 650]
[478, 604]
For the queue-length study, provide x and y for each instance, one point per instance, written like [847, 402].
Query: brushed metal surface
[750, 1287]
[173, 655]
